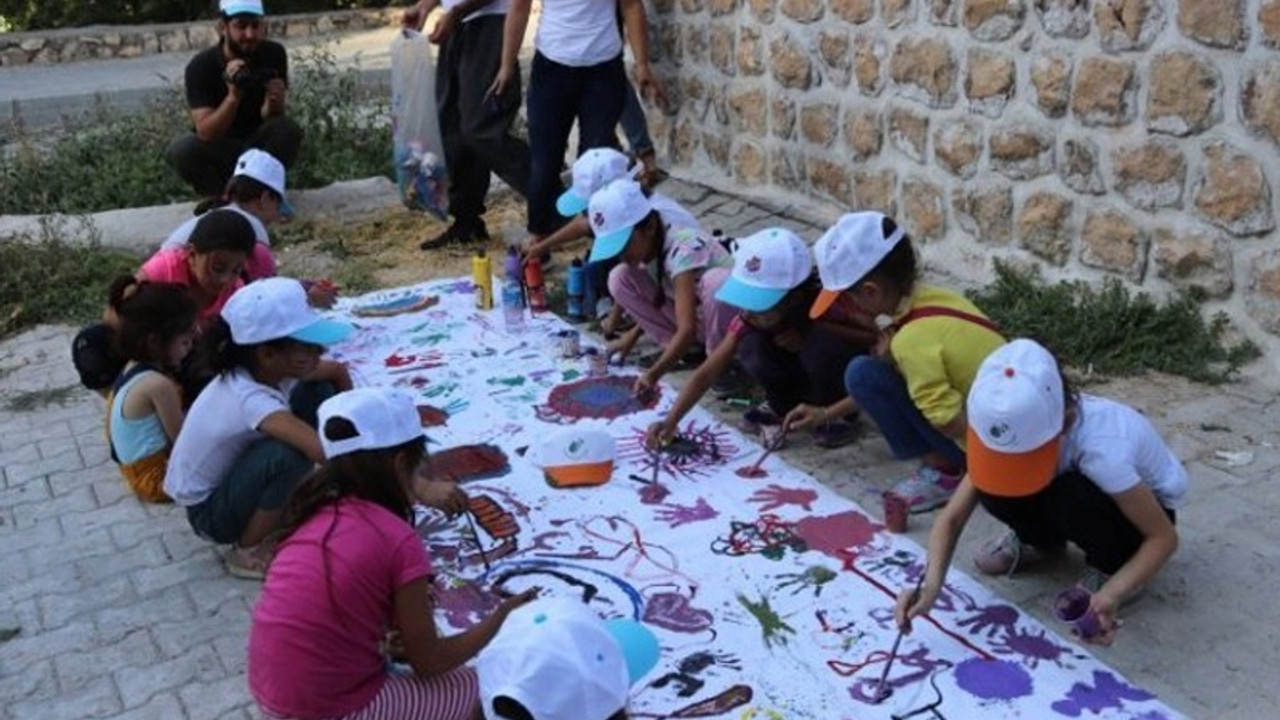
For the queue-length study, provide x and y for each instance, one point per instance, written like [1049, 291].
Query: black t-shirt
[206, 87]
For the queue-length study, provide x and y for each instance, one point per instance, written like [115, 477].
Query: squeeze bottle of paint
[573, 287]
[482, 278]
[589, 299]
[511, 273]
[535, 285]
[512, 306]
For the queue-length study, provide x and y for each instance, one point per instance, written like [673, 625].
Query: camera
[243, 77]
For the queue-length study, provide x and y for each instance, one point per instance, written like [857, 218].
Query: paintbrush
[768, 450]
[483, 557]
[882, 693]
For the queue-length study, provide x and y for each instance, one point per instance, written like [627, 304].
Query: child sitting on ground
[1058, 467]
[157, 324]
[933, 341]
[351, 567]
[666, 281]
[250, 436]
[793, 358]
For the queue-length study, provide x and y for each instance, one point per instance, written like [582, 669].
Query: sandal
[249, 563]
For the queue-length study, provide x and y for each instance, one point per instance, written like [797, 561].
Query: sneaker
[834, 434]
[249, 563]
[461, 232]
[759, 416]
[1005, 554]
[927, 489]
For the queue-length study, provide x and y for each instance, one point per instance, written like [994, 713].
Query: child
[1056, 467]
[144, 408]
[933, 340]
[555, 659]
[209, 268]
[250, 435]
[667, 279]
[351, 568]
[792, 357]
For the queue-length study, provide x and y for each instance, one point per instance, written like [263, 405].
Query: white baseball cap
[848, 251]
[766, 266]
[596, 168]
[240, 7]
[1015, 411]
[383, 418]
[560, 661]
[613, 211]
[575, 457]
[276, 308]
[263, 167]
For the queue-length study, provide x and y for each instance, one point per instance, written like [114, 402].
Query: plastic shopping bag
[421, 175]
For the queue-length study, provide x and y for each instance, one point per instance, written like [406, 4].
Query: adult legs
[486, 128]
[280, 136]
[554, 90]
[205, 166]
[600, 103]
[882, 393]
[635, 126]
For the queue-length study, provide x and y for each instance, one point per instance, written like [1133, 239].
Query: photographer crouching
[236, 94]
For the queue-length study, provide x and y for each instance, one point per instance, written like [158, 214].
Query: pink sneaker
[927, 489]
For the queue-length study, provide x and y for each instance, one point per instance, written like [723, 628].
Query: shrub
[39, 14]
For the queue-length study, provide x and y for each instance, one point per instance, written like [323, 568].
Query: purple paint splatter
[673, 612]
[1107, 691]
[677, 515]
[993, 679]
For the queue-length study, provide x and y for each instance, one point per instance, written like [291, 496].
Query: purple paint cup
[1072, 607]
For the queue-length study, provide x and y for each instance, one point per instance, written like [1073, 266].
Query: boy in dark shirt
[236, 94]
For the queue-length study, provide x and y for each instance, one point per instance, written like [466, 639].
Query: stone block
[1128, 24]
[1043, 226]
[14, 56]
[716, 146]
[721, 47]
[992, 20]
[989, 81]
[1260, 99]
[666, 42]
[1232, 192]
[923, 212]
[1111, 241]
[1193, 260]
[834, 49]
[957, 146]
[1216, 23]
[1021, 152]
[720, 8]
[854, 11]
[873, 189]
[985, 212]
[789, 63]
[804, 11]
[925, 70]
[829, 178]
[819, 123]
[764, 10]
[869, 53]
[684, 145]
[909, 133]
[1263, 299]
[1104, 92]
[1185, 97]
[150, 44]
[750, 51]
[786, 167]
[782, 117]
[324, 25]
[943, 12]
[174, 41]
[695, 42]
[749, 165]
[129, 51]
[748, 110]
[896, 12]
[1078, 166]
[1149, 175]
[691, 7]
[862, 133]
[1269, 22]
[1051, 79]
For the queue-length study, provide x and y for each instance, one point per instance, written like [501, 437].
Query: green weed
[1112, 331]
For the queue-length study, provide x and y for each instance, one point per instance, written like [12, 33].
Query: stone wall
[1136, 138]
[47, 47]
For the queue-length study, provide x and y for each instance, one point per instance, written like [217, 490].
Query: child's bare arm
[165, 397]
[427, 651]
[292, 431]
[335, 373]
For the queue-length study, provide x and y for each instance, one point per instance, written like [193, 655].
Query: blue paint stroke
[515, 568]
[1107, 691]
[993, 679]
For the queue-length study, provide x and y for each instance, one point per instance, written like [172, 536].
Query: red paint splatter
[751, 472]
[431, 416]
[829, 534]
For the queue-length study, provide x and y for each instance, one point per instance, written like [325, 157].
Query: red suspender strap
[940, 311]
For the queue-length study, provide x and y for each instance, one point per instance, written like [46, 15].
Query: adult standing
[577, 75]
[236, 93]
[475, 125]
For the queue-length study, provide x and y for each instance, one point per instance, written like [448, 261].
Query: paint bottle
[574, 288]
[512, 306]
[511, 273]
[589, 298]
[535, 285]
[482, 278]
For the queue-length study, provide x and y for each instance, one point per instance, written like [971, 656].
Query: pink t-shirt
[308, 658]
[171, 266]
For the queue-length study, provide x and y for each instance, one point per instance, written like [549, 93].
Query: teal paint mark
[511, 382]
[772, 627]
[571, 375]
[442, 389]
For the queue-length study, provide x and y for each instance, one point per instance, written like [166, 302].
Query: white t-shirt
[497, 7]
[1116, 447]
[579, 33]
[221, 425]
[673, 214]
[182, 235]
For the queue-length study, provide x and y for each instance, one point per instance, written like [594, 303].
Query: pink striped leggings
[454, 695]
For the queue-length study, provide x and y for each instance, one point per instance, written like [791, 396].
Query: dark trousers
[559, 95]
[1071, 508]
[881, 392]
[635, 126]
[813, 375]
[207, 166]
[477, 132]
